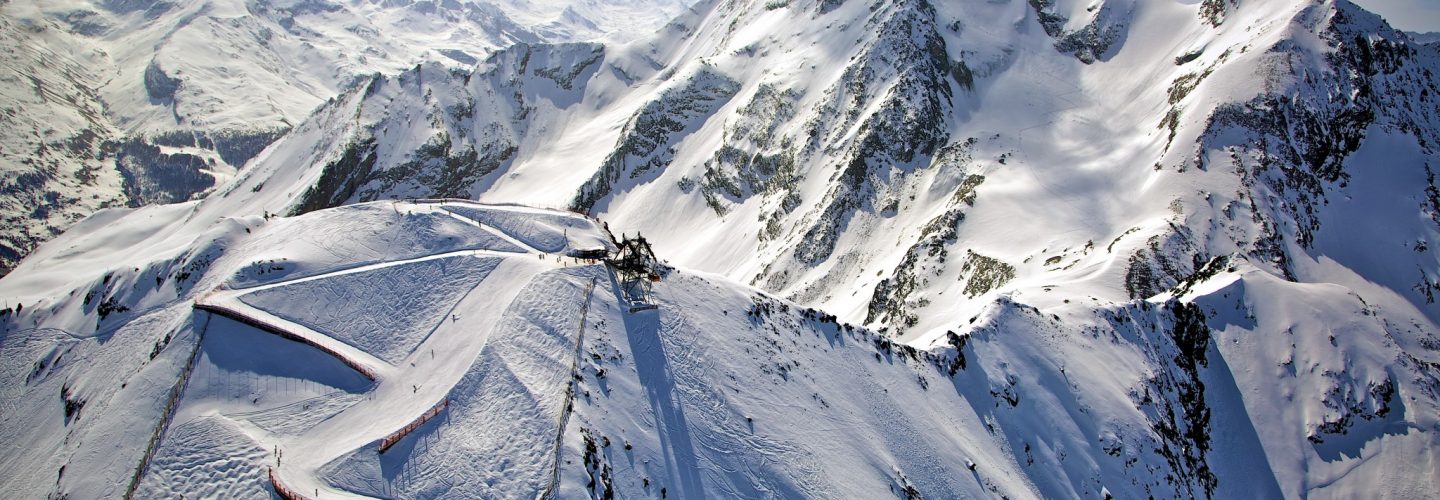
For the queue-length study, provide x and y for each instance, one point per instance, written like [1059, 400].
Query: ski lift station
[635, 269]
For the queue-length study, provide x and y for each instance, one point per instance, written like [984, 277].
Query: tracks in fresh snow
[227, 303]
[569, 404]
[168, 413]
[416, 382]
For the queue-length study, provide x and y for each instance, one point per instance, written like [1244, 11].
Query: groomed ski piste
[300, 380]
[355, 324]
[451, 349]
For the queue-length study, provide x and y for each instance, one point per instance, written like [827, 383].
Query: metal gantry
[636, 268]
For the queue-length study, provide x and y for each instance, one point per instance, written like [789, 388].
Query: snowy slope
[52, 167]
[296, 353]
[135, 103]
[728, 392]
[904, 165]
[328, 387]
[1137, 248]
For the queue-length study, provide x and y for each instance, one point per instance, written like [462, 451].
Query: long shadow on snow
[237, 347]
[1249, 460]
[653, 367]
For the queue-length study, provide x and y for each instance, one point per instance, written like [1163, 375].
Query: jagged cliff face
[1157, 248]
[1342, 124]
[476, 123]
[915, 166]
[855, 150]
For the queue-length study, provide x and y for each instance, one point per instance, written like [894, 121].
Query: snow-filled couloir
[1024, 249]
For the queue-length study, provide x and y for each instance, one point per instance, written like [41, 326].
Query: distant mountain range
[1025, 249]
[129, 102]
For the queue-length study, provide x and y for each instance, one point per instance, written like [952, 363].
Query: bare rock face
[983, 249]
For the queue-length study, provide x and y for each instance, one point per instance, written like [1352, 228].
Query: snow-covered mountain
[1034, 249]
[896, 142]
[292, 354]
[128, 103]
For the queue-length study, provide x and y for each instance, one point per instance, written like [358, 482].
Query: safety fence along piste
[396, 436]
[285, 492]
[238, 315]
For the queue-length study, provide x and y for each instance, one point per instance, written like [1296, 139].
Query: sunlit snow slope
[137, 102]
[904, 165]
[298, 344]
[290, 351]
[1022, 249]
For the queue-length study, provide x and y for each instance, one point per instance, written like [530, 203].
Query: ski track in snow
[330, 424]
[743, 132]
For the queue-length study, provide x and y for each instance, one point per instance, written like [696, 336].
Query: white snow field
[1038, 249]
[135, 102]
[319, 335]
[721, 391]
[742, 139]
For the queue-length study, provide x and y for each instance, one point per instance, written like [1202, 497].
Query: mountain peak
[1027, 249]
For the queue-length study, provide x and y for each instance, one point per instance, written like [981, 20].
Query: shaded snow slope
[319, 335]
[727, 392]
[445, 320]
[906, 164]
[1129, 247]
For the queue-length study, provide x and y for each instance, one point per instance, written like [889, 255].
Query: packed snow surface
[543, 379]
[1023, 249]
[305, 346]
